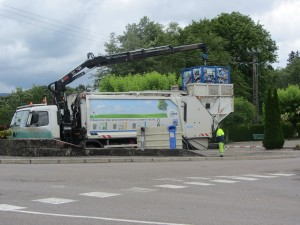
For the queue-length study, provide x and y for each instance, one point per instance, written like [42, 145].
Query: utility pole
[255, 99]
[255, 87]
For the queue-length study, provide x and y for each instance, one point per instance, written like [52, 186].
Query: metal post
[255, 88]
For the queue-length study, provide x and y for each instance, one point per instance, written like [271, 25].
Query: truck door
[31, 124]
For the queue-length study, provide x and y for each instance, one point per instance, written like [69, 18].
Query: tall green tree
[243, 35]
[278, 121]
[244, 38]
[149, 34]
[145, 34]
[230, 38]
[273, 135]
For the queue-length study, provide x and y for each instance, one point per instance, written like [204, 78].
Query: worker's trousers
[221, 147]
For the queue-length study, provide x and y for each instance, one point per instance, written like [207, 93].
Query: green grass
[114, 116]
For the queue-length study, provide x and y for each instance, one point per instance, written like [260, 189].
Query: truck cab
[36, 121]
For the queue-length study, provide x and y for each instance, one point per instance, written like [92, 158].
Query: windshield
[20, 118]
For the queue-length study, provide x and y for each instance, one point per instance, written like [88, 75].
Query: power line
[97, 35]
[47, 28]
[47, 18]
[37, 20]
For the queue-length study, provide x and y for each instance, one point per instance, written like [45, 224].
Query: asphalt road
[185, 192]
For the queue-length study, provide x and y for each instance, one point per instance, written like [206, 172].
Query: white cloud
[282, 23]
[4, 88]
[42, 50]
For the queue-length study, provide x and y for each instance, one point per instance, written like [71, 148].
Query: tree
[290, 75]
[273, 135]
[292, 56]
[145, 34]
[243, 37]
[289, 99]
[148, 34]
[242, 34]
[293, 72]
[276, 78]
[6, 112]
[243, 114]
[229, 37]
[21, 97]
[78, 89]
[278, 121]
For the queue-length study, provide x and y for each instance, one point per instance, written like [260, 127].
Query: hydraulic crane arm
[58, 87]
[93, 62]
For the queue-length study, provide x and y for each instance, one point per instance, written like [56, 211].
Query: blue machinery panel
[205, 74]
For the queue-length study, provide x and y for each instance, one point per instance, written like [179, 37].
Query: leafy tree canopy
[21, 97]
[230, 38]
[293, 72]
[244, 112]
[290, 75]
[292, 56]
[289, 99]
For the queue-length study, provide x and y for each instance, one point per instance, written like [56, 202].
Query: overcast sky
[42, 40]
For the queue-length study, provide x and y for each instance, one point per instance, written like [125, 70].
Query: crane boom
[58, 87]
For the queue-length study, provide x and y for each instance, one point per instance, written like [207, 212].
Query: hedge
[244, 133]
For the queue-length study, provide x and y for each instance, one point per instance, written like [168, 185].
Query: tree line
[233, 39]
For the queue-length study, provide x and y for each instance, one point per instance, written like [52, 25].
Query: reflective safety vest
[220, 132]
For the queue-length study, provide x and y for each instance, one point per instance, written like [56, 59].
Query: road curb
[138, 159]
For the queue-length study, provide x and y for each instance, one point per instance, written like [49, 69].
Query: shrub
[5, 134]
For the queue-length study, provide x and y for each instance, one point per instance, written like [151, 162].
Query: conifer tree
[279, 140]
[273, 135]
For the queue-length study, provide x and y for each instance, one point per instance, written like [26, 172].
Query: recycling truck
[103, 120]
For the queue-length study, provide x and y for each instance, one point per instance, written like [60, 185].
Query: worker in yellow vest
[220, 138]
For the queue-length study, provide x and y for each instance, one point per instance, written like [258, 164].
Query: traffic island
[52, 147]
[38, 147]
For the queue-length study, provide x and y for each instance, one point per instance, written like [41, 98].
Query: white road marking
[260, 176]
[199, 183]
[16, 209]
[169, 179]
[139, 189]
[58, 186]
[225, 181]
[170, 186]
[54, 201]
[199, 178]
[5, 207]
[239, 178]
[100, 194]
[282, 174]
